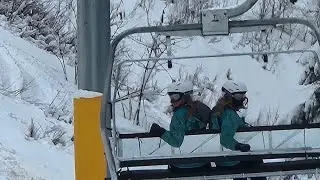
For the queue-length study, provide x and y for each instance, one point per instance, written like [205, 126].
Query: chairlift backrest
[202, 112]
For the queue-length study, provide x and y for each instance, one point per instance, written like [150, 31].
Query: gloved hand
[156, 130]
[293, 1]
[242, 147]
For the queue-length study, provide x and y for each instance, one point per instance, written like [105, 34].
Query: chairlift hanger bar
[106, 99]
[267, 169]
[224, 55]
[218, 55]
[106, 95]
[197, 29]
[241, 9]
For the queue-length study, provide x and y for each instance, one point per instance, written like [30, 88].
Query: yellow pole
[90, 161]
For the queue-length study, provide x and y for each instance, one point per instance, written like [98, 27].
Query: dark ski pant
[244, 165]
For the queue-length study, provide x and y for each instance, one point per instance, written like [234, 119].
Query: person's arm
[230, 124]
[228, 129]
[175, 136]
[244, 124]
[214, 123]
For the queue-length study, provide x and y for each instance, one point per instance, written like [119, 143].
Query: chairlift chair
[122, 165]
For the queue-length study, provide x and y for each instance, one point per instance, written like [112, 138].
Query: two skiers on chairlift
[191, 115]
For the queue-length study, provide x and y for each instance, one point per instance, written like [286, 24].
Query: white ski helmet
[233, 87]
[180, 87]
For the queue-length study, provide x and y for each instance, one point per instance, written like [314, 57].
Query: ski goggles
[174, 97]
[239, 96]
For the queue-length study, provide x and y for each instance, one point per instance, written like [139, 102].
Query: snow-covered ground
[33, 89]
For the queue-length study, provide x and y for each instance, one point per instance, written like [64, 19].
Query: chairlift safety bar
[248, 129]
[219, 55]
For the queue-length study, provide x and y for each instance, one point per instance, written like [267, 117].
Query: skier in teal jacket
[183, 120]
[225, 118]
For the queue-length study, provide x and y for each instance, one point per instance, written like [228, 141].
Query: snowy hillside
[35, 113]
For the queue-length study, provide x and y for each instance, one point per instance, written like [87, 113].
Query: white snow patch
[86, 94]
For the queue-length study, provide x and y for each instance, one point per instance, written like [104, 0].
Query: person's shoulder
[181, 112]
[230, 112]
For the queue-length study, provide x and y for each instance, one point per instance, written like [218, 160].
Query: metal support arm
[215, 22]
[241, 9]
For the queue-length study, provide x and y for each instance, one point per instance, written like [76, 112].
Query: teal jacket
[230, 122]
[179, 126]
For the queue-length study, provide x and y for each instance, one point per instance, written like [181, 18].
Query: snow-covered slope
[34, 91]
[36, 112]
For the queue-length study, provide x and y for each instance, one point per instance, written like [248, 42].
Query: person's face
[241, 97]
[176, 99]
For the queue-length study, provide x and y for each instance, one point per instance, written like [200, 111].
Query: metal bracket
[169, 51]
[215, 22]
[112, 110]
